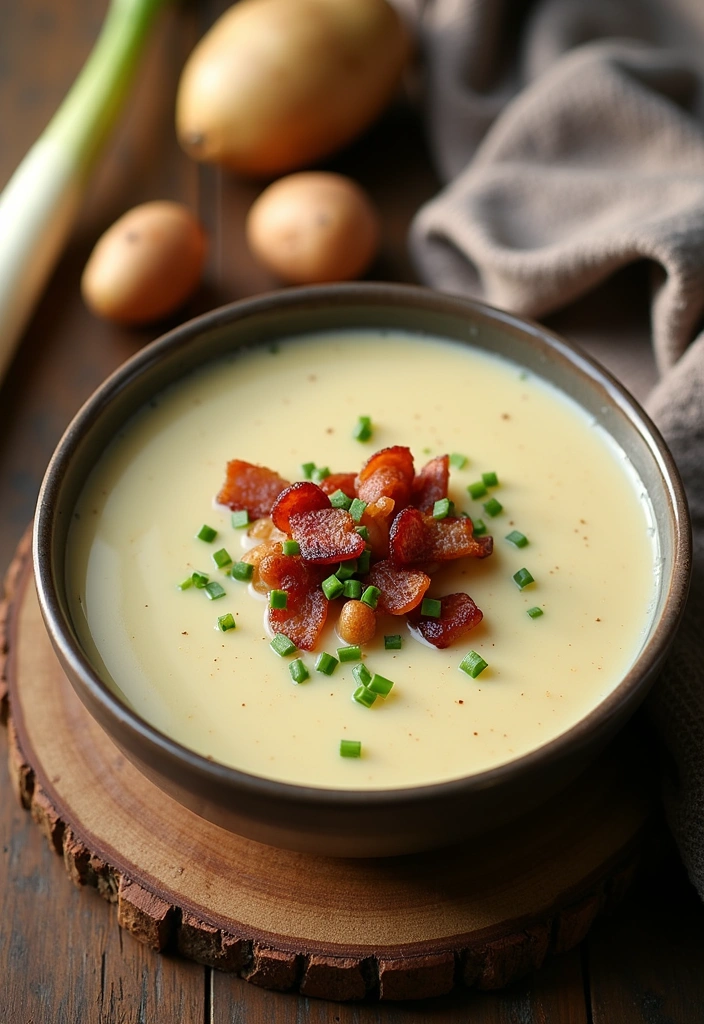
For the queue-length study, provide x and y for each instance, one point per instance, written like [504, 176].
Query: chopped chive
[363, 695]
[242, 571]
[200, 579]
[371, 596]
[353, 589]
[492, 507]
[363, 532]
[473, 664]
[351, 653]
[356, 509]
[363, 562]
[363, 428]
[338, 499]
[381, 685]
[207, 533]
[431, 607]
[307, 469]
[299, 672]
[350, 748]
[441, 508]
[332, 587]
[458, 461]
[522, 578]
[535, 612]
[213, 590]
[517, 538]
[290, 547]
[226, 622]
[490, 479]
[278, 599]
[479, 527]
[240, 518]
[393, 642]
[320, 473]
[362, 675]
[185, 584]
[282, 646]
[221, 558]
[476, 490]
[326, 664]
[346, 569]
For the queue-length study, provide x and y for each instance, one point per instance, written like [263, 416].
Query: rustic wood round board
[483, 913]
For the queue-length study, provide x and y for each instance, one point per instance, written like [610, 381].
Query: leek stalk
[40, 202]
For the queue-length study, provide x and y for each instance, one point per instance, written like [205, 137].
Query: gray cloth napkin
[570, 137]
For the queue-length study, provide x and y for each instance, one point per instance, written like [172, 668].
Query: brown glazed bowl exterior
[351, 823]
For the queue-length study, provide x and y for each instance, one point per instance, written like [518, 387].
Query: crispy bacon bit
[302, 620]
[303, 496]
[417, 539]
[458, 614]
[326, 535]
[430, 485]
[340, 482]
[252, 487]
[401, 589]
[290, 573]
[389, 473]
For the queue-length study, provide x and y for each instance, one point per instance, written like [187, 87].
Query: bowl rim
[368, 293]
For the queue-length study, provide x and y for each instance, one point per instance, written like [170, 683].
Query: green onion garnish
[473, 664]
[352, 589]
[393, 643]
[207, 533]
[479, 527]
[363, 428]
[350, 748]
[299, 672]
[522, 578]
[371, 596]
[200, 579]
[307, 469]
[458, 461]
[363, 532]
[221, 558]
[290, 547]
[346, 569]
[338, 499]
[242, 571]
[356, 509]
[282, 646]
[517, 538]
[240, 518]
[278, 599]
[332, 587]
[226, 622]
[490, 479]
[535, 612]
[213, 590]
[351, 653]
[185, 584]
[362, 675]
[363, 562]
[381, 685]
[326, 664]
[363, 695]
[441, 508]
[476, 490]
[320, 473]
[431, 607]
[492, 507]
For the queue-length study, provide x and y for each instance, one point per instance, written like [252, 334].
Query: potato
[277, 84]
[145, 265]
[313, 226]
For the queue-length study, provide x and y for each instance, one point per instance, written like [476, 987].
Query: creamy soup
[562, 483]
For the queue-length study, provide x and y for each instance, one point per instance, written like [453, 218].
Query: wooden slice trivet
[482, 914]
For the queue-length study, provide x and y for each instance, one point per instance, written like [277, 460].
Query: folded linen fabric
[570, 137]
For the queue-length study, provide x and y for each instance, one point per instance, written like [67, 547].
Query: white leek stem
[40, 202]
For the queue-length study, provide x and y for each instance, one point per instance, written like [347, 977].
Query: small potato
[145, 265]
[357, 623]
[313, 226]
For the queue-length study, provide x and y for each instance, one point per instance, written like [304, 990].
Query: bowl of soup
[361, 569]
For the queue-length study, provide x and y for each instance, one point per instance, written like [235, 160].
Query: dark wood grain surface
[63, 959]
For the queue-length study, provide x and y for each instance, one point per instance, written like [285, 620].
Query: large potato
[278, 84]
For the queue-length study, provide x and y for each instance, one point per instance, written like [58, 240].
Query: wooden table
[62, 956]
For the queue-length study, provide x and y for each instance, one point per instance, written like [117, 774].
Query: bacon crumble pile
[405, 541]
